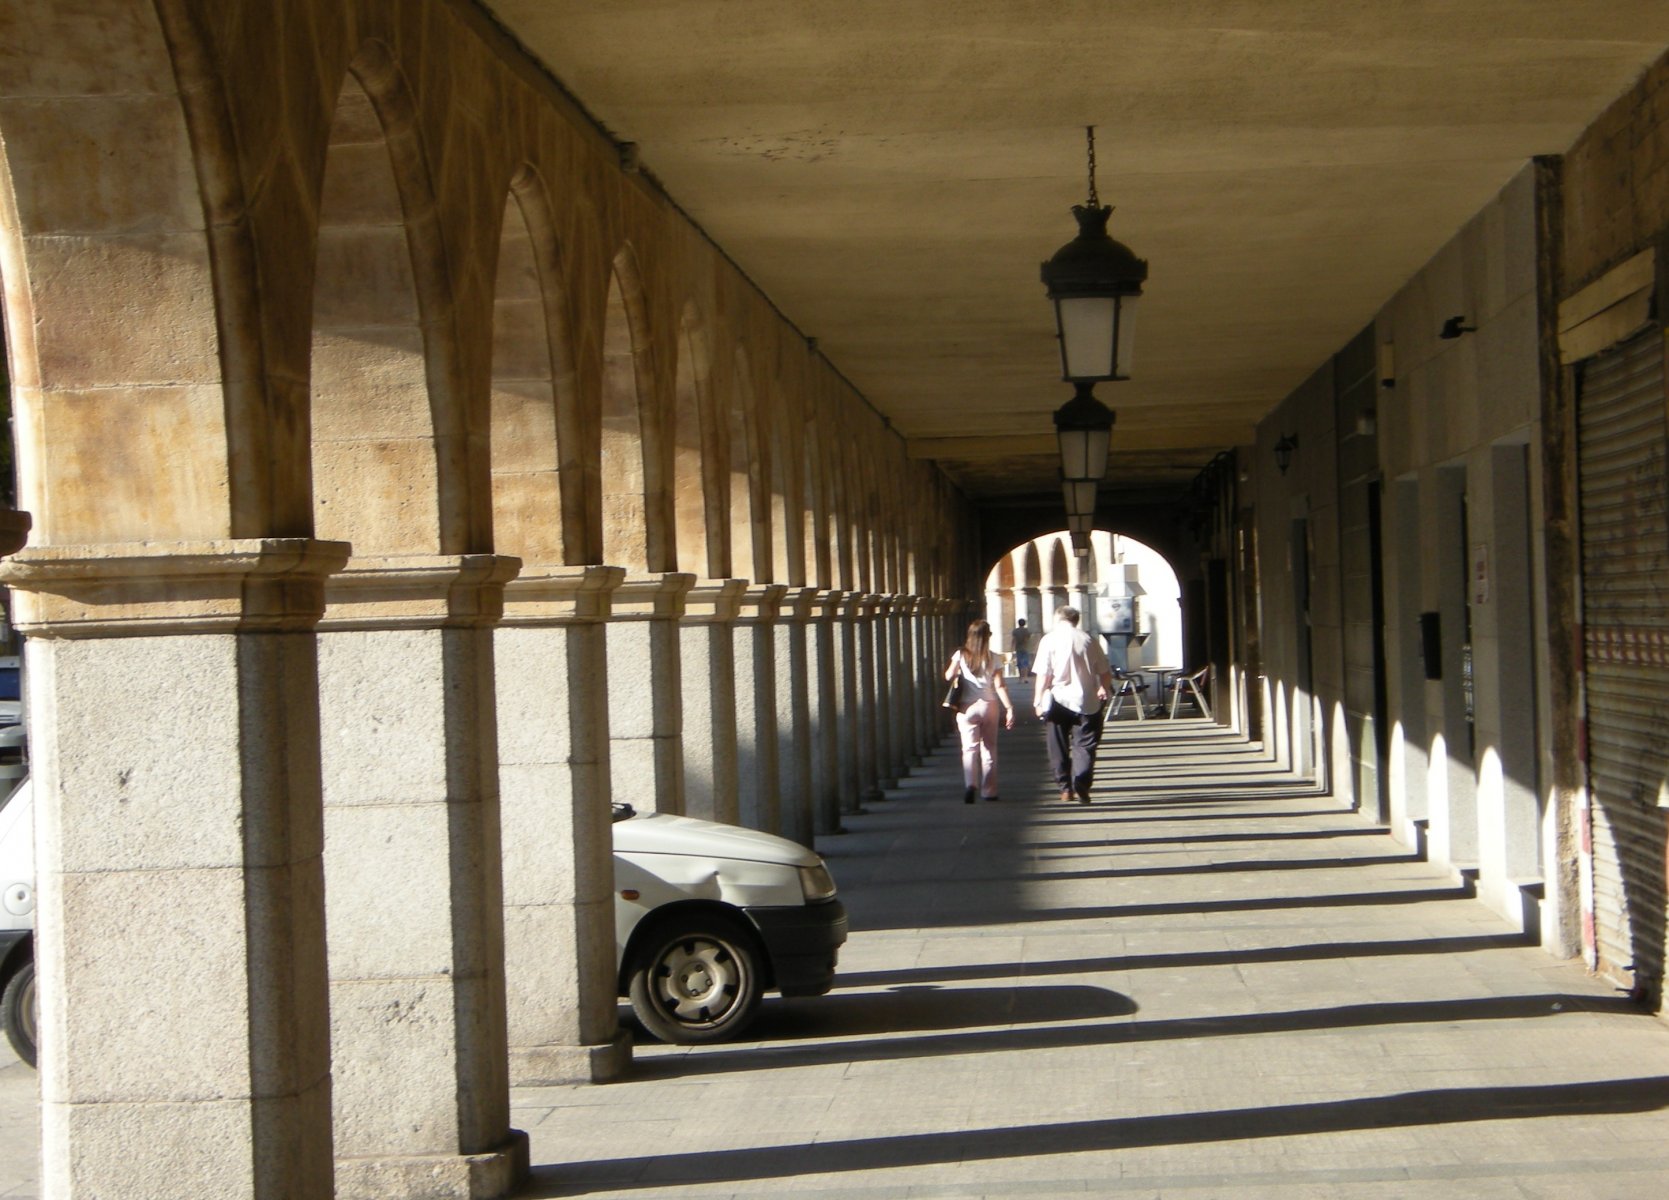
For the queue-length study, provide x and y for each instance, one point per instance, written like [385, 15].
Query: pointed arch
[697, 496]
[815, 511]
[749, 558]
[633, 488]
[1059, 575]
[537, 487]
[388, 453]
[1031, 568]
[176, 379]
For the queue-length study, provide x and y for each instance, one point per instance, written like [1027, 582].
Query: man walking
[1021, 640]
[1074, 681]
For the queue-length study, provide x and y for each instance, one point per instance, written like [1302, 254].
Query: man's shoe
[1083, 797]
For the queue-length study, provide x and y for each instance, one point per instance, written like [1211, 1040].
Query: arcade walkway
[1210, 983]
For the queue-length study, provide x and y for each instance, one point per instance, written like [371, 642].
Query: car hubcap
[699, 980]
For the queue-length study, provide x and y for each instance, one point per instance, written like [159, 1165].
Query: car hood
[663, 833]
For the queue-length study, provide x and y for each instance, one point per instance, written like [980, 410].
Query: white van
[707, 919]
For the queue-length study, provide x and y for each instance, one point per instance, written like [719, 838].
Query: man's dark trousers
[1073, 740]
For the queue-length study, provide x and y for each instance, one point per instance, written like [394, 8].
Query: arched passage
[376, 462]
[631, 491]
[748, 559]
[1125, 590]
[697, 500]
[534, 433]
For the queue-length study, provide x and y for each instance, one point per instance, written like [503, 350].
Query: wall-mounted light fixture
[1454, 327]
[1094, 283]
[1283, 451]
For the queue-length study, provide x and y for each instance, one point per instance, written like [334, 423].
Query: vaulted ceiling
[892, 172]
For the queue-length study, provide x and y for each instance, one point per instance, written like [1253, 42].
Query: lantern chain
[1094, 197]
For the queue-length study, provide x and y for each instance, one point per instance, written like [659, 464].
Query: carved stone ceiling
[892, 172]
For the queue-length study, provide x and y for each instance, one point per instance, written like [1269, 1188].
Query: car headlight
[817, 883]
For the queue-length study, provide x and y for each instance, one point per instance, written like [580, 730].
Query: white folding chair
[1194, 685]
[1132, 684]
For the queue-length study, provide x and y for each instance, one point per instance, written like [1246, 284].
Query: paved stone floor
[1209, 983]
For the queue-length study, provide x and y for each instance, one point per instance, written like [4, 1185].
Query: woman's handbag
[953, 694]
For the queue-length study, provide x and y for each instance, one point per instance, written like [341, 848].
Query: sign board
[1480, 573]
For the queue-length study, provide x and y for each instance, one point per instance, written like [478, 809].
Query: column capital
[418, 591]
[714, 601]
[134, 589]
[561, 595]
[761, 602]
[799, 603]
[826, 605]
[644, 597]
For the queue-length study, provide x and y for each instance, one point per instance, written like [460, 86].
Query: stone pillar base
[551, 1066]
[436, 1177]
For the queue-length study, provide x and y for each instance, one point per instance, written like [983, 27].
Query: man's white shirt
[1075, 663]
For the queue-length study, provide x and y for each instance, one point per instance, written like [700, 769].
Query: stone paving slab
[1209, 983]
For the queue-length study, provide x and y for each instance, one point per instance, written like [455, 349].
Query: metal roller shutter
[1625, 599]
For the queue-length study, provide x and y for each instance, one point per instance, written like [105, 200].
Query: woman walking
[981, 673]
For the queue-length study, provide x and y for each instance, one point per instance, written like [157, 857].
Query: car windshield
[624, 812]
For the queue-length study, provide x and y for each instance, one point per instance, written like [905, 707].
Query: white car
[707, 918]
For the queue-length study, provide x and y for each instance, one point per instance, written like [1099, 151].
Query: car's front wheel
[20, 1012]
[697, 980]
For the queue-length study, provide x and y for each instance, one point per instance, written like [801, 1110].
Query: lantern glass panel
[1084, 452]
[1079, 495]
[1087, 326]
[1126, 336]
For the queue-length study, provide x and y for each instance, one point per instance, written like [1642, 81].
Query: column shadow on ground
[865, 1018]
[1398, 1111]
[1313, 952]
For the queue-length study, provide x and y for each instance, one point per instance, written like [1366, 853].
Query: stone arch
[1003, 574]
[389, 456]
[1031, 568]
[633, 491]
[777, 495]
[1059, 575]
[816, 514]
[840, 516]
[537, 486]
[125, 438]
[747, 543]
[697, 498]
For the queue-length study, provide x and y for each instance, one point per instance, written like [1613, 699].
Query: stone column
[794, 685]
[869, 777]
[707, 638]
[645, 693]
[928, 691]
[824, 693]
[756, 708]
[886, 679]
[409, 756]
[180, 925]
[907, 686]
[552, 691]
[848, 704]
